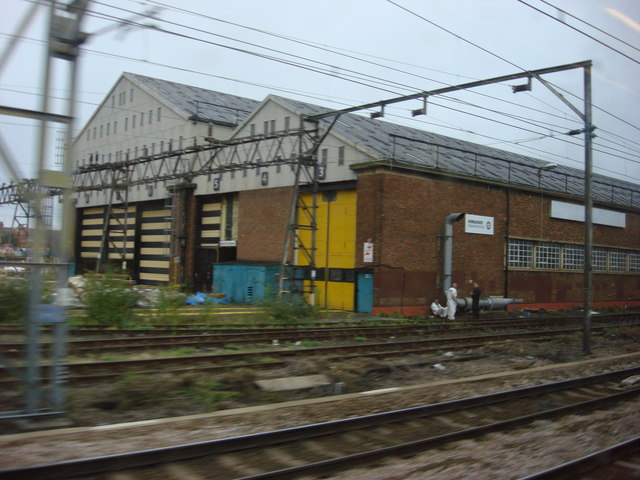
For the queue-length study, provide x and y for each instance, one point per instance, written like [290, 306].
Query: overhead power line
[379, 80]
[581, 32]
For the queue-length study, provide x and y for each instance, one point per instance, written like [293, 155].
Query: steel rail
[590, 463]
[388, 348]
[145, 458]
[79, 347]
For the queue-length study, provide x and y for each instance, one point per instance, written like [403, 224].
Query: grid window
[548, 255]
[599, 259]
[520, 253]
[573, 258]
[617, 261]
[634, 262]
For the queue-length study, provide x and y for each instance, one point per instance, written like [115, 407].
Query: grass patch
[182, 352]
[289, 308]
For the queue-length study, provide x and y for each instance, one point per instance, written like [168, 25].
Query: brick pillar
[182, 198]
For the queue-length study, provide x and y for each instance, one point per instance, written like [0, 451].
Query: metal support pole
[33, 393]
[588, 211]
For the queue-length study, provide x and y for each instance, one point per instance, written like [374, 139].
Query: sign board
[478, 224]
[48, 313]
[368, 252]
[228, 243]
[572, 211]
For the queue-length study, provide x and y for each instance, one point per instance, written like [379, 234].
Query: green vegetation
[165, 306]
[289, 308]
[310, 343]
[109, 300]
[181, 352]
[13, 300]
[631, 332]
[208, 392]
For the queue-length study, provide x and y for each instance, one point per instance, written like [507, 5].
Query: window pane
[520, 253]
[599, 259]
[547, 255]
[573, 258]
[617, 261]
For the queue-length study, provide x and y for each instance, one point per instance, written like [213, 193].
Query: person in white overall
[452, 296]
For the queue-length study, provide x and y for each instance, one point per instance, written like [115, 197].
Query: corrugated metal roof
[414, 147]
[198, 103]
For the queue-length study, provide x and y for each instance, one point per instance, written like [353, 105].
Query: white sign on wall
[571, 211]
[478, 224]
[368, 252]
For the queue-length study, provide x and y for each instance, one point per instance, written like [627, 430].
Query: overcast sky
[340, 53]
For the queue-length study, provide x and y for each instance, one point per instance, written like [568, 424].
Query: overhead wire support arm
[453, 88]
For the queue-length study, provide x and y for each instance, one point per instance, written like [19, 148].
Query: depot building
[211, 193]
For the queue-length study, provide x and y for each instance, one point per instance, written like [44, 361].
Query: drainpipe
[448, 248]
[488, 303]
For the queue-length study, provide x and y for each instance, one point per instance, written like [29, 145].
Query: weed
[310, 343]
[109, 300]
[631, 332]
[181, 352]
[209, 392]
[360, 339]
[111, 357]
[289, 308]
[13, 300]
[264, 359]
[166, 304]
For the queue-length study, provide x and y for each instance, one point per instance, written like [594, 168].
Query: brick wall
[262, 223]
[404, 214]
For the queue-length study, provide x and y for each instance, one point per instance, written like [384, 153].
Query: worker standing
[475, 300]
[452, 296]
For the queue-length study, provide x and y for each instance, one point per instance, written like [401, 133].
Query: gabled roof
[414, 148]
[198, 104]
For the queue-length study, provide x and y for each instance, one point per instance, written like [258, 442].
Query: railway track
[323, 448]
[209, 339]
[271, 357]
[618, 462]
[93, 330]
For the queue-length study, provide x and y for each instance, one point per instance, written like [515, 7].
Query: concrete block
[293, 383]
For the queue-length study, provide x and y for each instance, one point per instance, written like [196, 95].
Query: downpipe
[487, 303]
[464, 304]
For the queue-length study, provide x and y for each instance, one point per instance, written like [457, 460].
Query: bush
[13, 300]
[109, 300]
[289, 308]
[166, 304]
